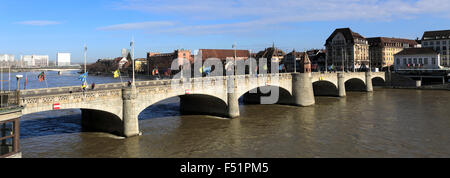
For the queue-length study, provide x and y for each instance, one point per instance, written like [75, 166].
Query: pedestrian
[129, 83]
[93, 86]
[83, 87]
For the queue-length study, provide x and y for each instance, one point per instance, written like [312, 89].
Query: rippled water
[385, 123]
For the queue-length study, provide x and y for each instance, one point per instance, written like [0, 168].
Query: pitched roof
[441, 34]
[416, 51]
[269, 52]
[222, 54]
[349, 35]
[381, 41]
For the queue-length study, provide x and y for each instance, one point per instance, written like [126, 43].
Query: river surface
[385, 123]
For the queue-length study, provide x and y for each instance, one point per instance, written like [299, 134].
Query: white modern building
[440, 42]
[417, 59]
[7, 57]
[35, 60]
[63, 59]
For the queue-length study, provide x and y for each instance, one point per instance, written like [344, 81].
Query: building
[163, 61]
[315, 59]
[347, 49]
[63, 59]
[6, 57]
[417, 58]
[382, 50]
[35, 60]
[140, 65]
[272, 54]
[223, 54]
[440, 42]
[305, 64]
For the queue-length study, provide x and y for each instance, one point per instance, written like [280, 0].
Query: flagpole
[85, 56]
[45, 78]
[132, 58]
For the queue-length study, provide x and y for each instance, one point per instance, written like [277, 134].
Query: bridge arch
[191, 104]
[90, 120]
[325, 88]
[355, 84]
[378, 81]
[254, 95]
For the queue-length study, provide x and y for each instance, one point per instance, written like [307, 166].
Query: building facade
[347, 50]
[163, 61]
[440, 42]
[6, 57]
[382, 50]
[417, 59]
[63, 59]
[35, 60]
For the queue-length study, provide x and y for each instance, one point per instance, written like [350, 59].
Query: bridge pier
[369, 86]
[232, 98]
[302, 89]
[341, 85]
[130, 114]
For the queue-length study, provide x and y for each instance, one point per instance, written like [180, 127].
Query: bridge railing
[70, 89]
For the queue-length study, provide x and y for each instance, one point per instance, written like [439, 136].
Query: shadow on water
[160, 110]
[45, 124]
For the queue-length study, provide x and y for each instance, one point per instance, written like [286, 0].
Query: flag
[41, 77]
[116, 73]
[155, 72]
[83, 77]
[207, 70]
[281, 67]
[227, 66]
[25, 83]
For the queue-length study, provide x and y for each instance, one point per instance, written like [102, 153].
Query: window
[404, 61]
[415, 60]
[9, 137]
[425, 43]
[409, 61]
[438, 43]
[420, 61]
[425, 60]
[398, 61]
[431, 43]
[433, 61]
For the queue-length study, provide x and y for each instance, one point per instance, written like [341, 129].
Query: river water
[385, 123]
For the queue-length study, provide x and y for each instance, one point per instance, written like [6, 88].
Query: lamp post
[235, 56]
[132, 58]
[85, 51]
[295, 61]
[18, 88]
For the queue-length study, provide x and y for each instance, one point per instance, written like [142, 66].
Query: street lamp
[132, 58]
[18, 88]
[235, 56]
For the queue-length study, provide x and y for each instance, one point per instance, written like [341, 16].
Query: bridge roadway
[115, 107]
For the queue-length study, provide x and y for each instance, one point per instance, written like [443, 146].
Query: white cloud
[236, 16]
[39, 22]
[151, 25]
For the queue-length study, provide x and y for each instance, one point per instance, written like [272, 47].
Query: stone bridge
[115, 107]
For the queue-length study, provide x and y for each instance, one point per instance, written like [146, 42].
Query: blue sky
[106, 26]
